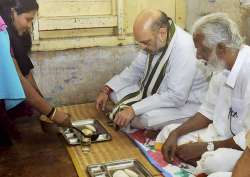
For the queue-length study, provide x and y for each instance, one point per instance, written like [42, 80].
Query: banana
[87, 132]
[90, 127]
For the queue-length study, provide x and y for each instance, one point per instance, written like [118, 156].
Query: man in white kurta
[180, 91]
[215, 136]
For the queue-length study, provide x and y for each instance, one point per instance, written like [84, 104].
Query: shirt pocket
[239, 112]
[238, 106]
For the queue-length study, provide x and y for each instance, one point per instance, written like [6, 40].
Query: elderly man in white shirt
[215, 136]
[163, 83]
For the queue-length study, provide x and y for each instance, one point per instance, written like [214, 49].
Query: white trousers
[220, 160]
[158, 118]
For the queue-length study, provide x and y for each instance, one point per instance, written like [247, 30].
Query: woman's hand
[62, 119]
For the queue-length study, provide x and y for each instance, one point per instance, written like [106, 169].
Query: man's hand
[191, 152]
[62, 119]
[123, 117]
[169, 147]
[101, 101]
[102, 98]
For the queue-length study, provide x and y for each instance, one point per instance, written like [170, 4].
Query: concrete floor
[36, 154]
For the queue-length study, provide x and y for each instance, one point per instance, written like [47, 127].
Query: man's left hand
[123, 117]
[191, 152]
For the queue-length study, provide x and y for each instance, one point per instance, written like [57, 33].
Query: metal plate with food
[121, 168]
[85, 128]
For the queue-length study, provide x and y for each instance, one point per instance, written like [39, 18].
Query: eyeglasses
[232, 114]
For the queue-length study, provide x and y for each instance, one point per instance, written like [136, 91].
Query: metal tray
[73, 137]
[108, 169]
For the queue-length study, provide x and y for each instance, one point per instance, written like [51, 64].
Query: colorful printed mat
[153, 154]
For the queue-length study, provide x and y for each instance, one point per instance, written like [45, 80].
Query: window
[67, 24]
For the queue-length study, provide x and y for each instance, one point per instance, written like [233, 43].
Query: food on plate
[90, 127]
[131, 173]
[125, 173]
[87, 132]
[120, 173]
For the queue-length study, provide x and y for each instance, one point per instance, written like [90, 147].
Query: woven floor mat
[120, 147]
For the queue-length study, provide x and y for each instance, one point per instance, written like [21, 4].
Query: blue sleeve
[11, 90]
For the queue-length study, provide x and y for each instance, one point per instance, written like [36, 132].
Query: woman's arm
[33, 83]
[39, 103]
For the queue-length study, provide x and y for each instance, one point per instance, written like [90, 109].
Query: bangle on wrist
[50, 112]
[53, 115]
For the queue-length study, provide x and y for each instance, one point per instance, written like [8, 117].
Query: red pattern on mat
[138, 135]
[156, 155]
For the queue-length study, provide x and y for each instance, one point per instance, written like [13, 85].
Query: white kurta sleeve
[208, 106]
[130, 75]
[240, 139]
[176, 86]
[247, 98]
[248, 139]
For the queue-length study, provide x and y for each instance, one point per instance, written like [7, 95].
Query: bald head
[146, 19]
[147, 26]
